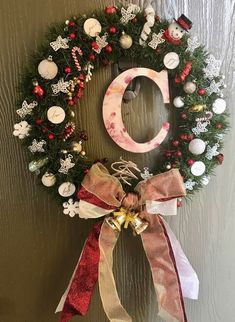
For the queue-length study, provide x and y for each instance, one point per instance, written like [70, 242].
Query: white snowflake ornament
[61, 86]
[212, 151]
[156, 39]
[66, 164]
[37, 146]
[21, 129]
[26, 108]
[189, 184]
[213, 67]
[193, 44]
[200, 128]
[59, 43]
[215, 87]
[129, 13]
[71, 207]
[101, 42]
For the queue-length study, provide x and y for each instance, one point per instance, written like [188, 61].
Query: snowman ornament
[177, 29]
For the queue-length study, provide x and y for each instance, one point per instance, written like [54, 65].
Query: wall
[40, 246]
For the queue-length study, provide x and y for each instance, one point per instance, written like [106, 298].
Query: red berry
[168, 154]
[92, 57]
[201, 91]
[72, 24]
[86, 171]
[71, 102]
[112, 30]
[108, 49]
[219, 125]
[178, 154]
[81, 77]
[157, 18]
[190, 137]
[179, 203]
[190, 162]
[158, 50]
[68, 70]
[175, 143]
[183, 116]
[94, 45]
[39, 121]
[50, 136]
[45, 130]
[134, 20]
[110, 10]
[183, 136]
[220, 158]
[72, 35]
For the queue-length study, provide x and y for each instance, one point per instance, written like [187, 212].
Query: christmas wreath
[53, 85]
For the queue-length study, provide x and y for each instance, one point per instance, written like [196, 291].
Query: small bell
[139, 225]
[116, 222]
[197, 108]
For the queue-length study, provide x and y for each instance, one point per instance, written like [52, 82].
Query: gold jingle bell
[118, 218]
[197, 108]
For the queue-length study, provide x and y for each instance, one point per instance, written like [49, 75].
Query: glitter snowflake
[21, 129]
[193, 43]
[66, 164]
[101, 42]
[26, 108]
[71, 207]
[129, 13]
[61, 86]
[59, 43]
[189, 184]
[146, 174]
[200, 127]
[212, 151]
[213, 67]
[37, 146]
[215, 87]
[156, 39]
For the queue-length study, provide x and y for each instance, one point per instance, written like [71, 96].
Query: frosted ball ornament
[47, 69]
[198, 168]
[125, 41]
[48, 179]
[197, 146]
[190, 87]
[178, 102]
[219, 106]
[175, 31]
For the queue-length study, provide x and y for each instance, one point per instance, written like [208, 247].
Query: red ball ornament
[72, 35]
[39, 121]
[179, 203]
[201, 91]
[220, 158]
[175, 143]
[219, 125]
[71, 102]
[38, 91]
[94, 45]
[190, 162]
[178, 154]
[183, 136]
[134, 20]
[108, 49]
[183, 116]
[92, 57]
[51, 136]
[72, 24]
[68, 70]
[110, 10]
[112, 30]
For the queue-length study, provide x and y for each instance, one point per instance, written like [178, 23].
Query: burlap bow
[173, 276]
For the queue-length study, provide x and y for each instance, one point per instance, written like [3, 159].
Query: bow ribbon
[173, 276]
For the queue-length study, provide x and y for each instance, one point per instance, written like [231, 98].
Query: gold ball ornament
[76, 146]
[190, 87]
[197, 108]
[125, 41]
[47, 69]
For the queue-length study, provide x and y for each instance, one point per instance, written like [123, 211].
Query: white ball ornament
[197, 146]
[171, 60]
[47, 69]
[66, 189]
[198, 168]
[48, 179]
[178, 102]
[125, 41]
[92, 27]
[190, 87]
[56, 114]
[219, 106]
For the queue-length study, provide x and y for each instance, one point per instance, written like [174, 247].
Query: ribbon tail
[188, 277]
[108, 291]
[165, 275]
[77, 297]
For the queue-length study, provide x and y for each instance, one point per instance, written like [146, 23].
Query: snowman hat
[184, 22]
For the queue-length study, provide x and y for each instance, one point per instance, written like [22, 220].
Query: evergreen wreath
[54, 81]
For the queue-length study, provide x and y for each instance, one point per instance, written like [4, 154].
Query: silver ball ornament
[125, 41]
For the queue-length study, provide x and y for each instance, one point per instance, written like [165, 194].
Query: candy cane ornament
[75, 52]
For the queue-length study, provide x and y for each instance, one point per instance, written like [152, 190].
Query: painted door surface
[39, 246]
